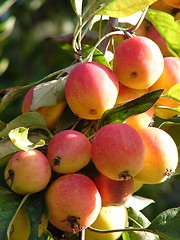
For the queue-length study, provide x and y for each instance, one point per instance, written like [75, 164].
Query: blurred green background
[28, 53]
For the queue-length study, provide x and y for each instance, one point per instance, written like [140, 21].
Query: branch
[112, 24]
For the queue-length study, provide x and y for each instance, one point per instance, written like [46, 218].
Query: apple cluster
[126, 155]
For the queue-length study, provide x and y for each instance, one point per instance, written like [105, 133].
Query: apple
[91, 88]
[138, 62]
[113, 193]
[161, 156]
[27, 172]
[73, 201]
[118, 151]
[69, 151]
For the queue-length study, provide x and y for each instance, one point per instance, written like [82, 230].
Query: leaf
[19, 137]
[31, 120]
[17, 210]
[136, 106]
[5, 5]
[173, 129]
[165, 112]
[138, 202]
[122, 8]
[10, 95]
[4, 62]
[168, 28]
[97, 56]
[48, 93]
[174, 92]
[46, 235]
[67, 119]
[7, 148]
[34, 209]
[138, 220]
[168, 223]
[6, 27]
[9, 203]
[77, 6]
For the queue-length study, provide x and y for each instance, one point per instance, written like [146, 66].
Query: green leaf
[168, 28]
[19, 137]
[168, 223]
[77, 6]
[138, 202]
[4, 62]
[20, 205]
[31, 120]
[136, 106]
[5, 5]
[10, 95]
[48, 93]
[46, 235]
[67, 119]
[122, 8]
[165, 112]
[6, 27]
[34, 207]
[7, 148]
[9, 203]
[138, 220]
[173, 129]
[97, 56]
[174, 92]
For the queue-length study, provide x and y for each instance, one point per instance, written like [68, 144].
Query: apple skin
[91, 88]
[173, 3]
[138, 62]
[69, 151]
[51, 114]
[73, 201]
[118, 151]
[169, 78]
[155, 36]
[161, 156]
[109, 218]
[113, 193]
[27, 172]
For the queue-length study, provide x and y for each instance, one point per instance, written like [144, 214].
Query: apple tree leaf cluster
[30, 130]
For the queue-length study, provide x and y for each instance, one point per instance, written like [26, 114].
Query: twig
[112, 24]
[82, 235]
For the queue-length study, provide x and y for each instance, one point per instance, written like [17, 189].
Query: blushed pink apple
[118, 151]
[138, 62]
[113, 193]
[28, 172]
[69, 151]
[91, 88]
[73, 201]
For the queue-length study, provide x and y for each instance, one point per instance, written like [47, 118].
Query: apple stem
[82, 235]
[130, 229]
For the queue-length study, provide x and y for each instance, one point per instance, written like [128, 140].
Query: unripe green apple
[27, 172]
[161, 156]
[138, 62]
[73, 201]
[91, 88]
[118, 151]
[69, 151]
[113, 193]
[109, 218]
